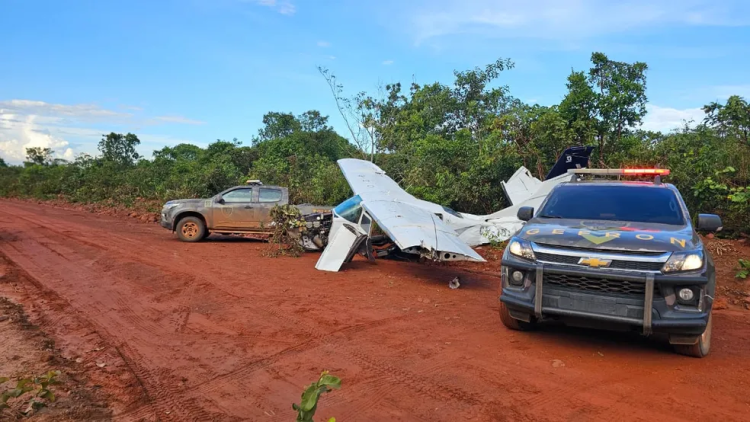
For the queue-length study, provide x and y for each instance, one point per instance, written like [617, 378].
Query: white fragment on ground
[455, 283]
[557, 363]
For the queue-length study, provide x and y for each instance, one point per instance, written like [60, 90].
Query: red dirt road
[214, 331]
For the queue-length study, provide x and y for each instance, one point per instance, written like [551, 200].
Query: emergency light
[620, 172]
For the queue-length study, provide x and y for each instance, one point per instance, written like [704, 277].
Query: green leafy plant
[309, 403]
[740, 195]
[744, 270]
[288, 224]
[39, 387]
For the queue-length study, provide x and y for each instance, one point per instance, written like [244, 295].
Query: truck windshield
[350, 209]
[641, 204]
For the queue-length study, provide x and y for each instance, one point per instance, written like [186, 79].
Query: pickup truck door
[238, 211]
[268, 198]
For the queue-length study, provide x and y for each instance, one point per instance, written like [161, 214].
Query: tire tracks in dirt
[411, 381]
[253, 335]
[162, 399]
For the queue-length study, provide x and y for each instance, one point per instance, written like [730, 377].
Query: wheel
[699, 349]
[191, 229]
[513, 323]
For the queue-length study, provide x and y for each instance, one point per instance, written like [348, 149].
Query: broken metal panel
[520, 186]
[497, 230]
[343, 243]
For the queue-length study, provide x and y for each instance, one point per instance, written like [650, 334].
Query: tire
[513, 323]
[191, 229]
[699, 349]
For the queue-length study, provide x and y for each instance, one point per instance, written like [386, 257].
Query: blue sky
[195, 71]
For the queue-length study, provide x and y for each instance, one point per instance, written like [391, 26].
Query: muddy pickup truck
[241, 210]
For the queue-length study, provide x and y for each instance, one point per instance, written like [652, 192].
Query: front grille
[616, 264]
[599, 284]
[602, 250]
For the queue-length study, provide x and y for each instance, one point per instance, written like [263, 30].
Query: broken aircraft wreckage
[420, 228]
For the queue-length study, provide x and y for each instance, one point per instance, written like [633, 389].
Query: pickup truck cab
[237, 210]
[612, 254]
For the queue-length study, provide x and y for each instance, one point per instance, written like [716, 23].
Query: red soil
[214, 331]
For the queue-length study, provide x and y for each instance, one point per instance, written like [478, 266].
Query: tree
[731, 119]
[358, 118]
[179, 152]
[119, 149]
[579, 108]
[474, 104]
[2, 163]
[38, 155]
[621, 101]
[313, 121]
[278, 125]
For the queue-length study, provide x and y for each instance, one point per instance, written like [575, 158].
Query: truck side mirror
[220, 199]
[525, 213]
[708, 223]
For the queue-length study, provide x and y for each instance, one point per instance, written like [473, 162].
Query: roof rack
[657, 173]
[254, 182]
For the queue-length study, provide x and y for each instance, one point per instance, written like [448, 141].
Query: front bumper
[167, 224]
[655, 310]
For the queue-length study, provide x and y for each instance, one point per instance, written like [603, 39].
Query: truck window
[238, 195]
[640, 204]
[269, 195]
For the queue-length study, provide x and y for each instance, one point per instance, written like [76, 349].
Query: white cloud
[76, 111]
[387, 62]
[178, 119]
[67, 129]
[131, 108]
[330, 57]
[21, 132]
[324, 44]
[665, 119]
[283, 7]
[566, 19]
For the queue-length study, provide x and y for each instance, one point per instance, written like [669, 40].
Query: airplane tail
[522, 184]
[571, 158]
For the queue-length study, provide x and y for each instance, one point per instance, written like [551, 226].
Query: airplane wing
[370, 182]
[408, 221]
[412, 227]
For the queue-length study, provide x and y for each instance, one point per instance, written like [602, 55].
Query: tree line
[450, 144]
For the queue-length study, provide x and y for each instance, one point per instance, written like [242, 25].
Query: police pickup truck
[613, 254]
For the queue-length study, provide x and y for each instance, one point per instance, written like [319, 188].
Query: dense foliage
[450, 144]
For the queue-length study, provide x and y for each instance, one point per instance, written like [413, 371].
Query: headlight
[684, 261]
[521, 248]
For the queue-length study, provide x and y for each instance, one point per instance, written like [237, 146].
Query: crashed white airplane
[424, 228]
